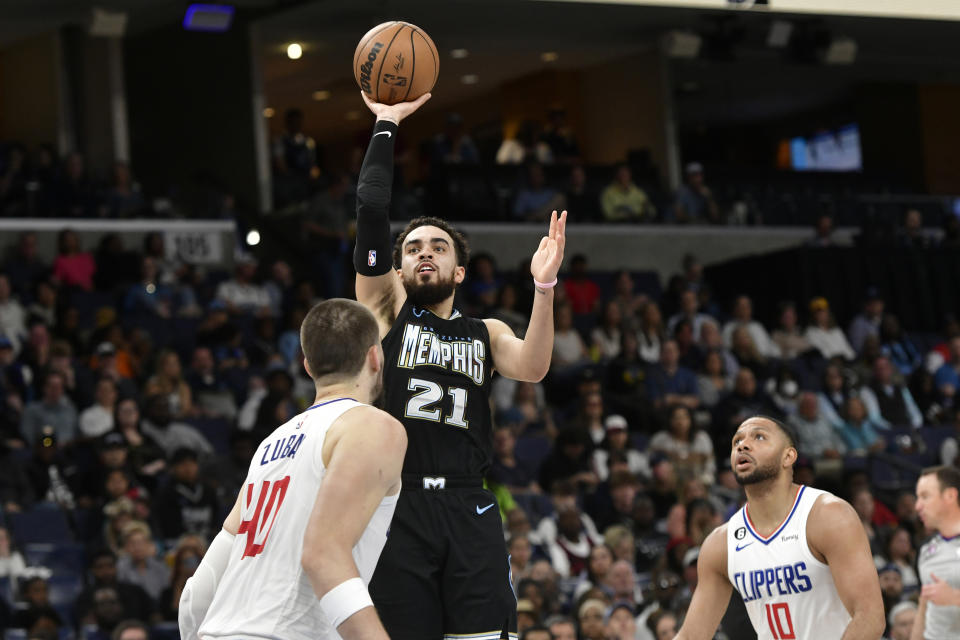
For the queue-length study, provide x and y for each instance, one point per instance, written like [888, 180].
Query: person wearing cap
[695, 201]
[53, 409]
[618, 439]
[823, 333]
[620, 622]
[527, 615]
[867, 322]
[624, 201]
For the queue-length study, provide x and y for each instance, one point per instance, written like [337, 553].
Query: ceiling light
[470, 78]
[459, 54]
[549, 56]
[321, 95]
[253, 237]
[268, 112]
[294, 51]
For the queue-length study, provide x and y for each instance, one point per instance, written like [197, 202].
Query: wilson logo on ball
[367, 66]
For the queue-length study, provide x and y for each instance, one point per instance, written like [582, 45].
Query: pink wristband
[545, 285]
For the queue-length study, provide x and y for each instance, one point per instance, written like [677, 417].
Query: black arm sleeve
[373, 253]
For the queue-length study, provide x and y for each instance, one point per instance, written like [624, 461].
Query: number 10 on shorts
[781, 625]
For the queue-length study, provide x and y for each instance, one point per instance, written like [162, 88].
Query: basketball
[396, 62]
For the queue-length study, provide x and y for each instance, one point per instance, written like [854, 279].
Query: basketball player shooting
[444, 571]
[297, 551]
[797, 556]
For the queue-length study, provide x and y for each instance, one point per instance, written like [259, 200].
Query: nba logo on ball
[740, 533]
[371, 258]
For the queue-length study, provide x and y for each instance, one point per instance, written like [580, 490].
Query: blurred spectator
[186, 504]
[581, 200]
[97, 419]
[891, 585]
[650, 333]
[589, 419]
[536, 199]
[695, 202]
[168, 381]
[186, 559]
[867, 322]
[73, 267]
[35, 614]
[149, 296]
[901, 619]
[559, 137]
[590, 617]
[158, 424]
[712, 380]
[12, 315]
[690, 449]
[454, 145]
[75, 194]
[53, 409]
[822, 233]
[139, 565]
[569, 351]
[620, 622]
[744, 401]
[535, 632]
[864, 504]
[898, 347]
[169, 268]
[623, 201]
[145, 455]
[482, 285]
[833, 396]
[525, 146]
[606, 335]
[618, 440]
[663, 589]
[505, 469]
[689, 310]
[294, 160]
[242, 294]
[211, 395]
[12, 565]
[134, 601]
[562, 628]
[124, 199]
[582, 292]
[24, 267]
[44, 305]
[107, 611]
[947, 378]
[664, 625]
[823, 333]
[859, 433]
[898, 550]
[689, 351]
[712, 340]
[568, 535]
[52, 476]
[889, 404]
[668, 383]
[519, 552]
[743, 317]
[788, 337]
[911, 235]
[506, 310]
[818, 439]
[13, 181]
[131, 630]
[597, 571]
[326, 225]
[745, 352]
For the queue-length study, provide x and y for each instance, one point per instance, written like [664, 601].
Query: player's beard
[759, 474]
[428, 294]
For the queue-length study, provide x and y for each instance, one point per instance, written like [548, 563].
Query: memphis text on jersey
[782, 580]
[422, 347]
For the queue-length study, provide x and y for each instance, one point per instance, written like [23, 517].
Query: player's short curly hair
[460, 245]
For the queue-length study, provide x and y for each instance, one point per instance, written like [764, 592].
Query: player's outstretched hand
[394, 112]
[546, 262]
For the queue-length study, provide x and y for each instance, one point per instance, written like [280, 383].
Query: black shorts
[444, 572]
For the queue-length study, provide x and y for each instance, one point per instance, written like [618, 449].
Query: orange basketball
[396, 62]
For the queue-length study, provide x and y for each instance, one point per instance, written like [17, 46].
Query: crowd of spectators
[134, 389]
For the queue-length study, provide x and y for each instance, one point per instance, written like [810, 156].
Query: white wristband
[344, 600]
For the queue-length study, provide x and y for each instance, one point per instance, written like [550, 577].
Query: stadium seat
[44, 523]
[60, 558]
[6, 590]
[90, 632]
[15, 634]
[165, 631]
[216, 430]
[530, 452]
[63, 591]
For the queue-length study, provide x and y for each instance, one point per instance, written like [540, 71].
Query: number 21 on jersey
[781, 625]
[422, 403]
[260, 513]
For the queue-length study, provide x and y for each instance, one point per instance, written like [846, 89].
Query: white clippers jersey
[788, 593]
[264, 592]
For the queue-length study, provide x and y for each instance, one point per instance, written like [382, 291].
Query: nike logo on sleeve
[383, 133]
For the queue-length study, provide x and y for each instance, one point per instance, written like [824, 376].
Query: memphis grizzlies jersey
[788, 593]
[941, 556]
[264, 592]
[437, 383]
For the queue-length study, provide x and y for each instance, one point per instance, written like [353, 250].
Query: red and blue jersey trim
[767, 540]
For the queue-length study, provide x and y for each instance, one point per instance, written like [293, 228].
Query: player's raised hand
[394, 112]
[546, 262]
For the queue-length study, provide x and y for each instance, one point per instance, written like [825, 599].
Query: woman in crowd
[651, 333]
[73, 267]
[606, 336]
[824, 335]
[168, 381]
[690, 449]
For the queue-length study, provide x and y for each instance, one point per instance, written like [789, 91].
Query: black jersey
[437, 383]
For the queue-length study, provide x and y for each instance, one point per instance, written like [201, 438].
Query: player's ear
[459, 274]
[375, 358]
[306, 367]
[790, 456]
